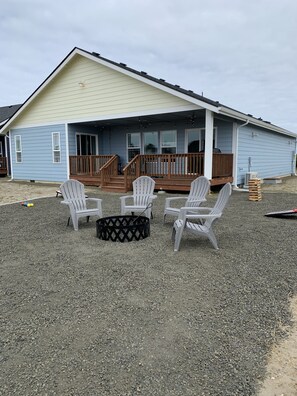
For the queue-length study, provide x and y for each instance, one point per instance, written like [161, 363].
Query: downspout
[67, 151]
[8, 134]
[236, 156]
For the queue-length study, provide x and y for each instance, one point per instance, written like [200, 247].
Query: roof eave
[252, 120]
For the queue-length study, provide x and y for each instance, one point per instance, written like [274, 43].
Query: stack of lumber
[255, 193]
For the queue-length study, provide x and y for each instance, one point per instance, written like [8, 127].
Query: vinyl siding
[105, 93]
[37, 156]
[268, 153]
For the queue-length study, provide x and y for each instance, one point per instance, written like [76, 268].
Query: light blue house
[104, 123]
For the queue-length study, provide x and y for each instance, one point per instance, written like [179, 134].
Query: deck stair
[115, 184]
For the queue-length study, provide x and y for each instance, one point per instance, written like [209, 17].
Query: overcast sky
[242, 53]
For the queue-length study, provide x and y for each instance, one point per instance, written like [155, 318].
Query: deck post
[208, 144]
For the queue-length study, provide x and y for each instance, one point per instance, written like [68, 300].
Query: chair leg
[88, 218]
[178, 228]
[212, 238]
[68, 222]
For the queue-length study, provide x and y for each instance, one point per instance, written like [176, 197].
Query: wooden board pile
[255, 193]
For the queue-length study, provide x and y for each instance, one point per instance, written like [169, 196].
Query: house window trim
[160, 137]
[54, 151]
[138, 147]
[200, 130]
[20, 151]
[86, 134]
[1, 149]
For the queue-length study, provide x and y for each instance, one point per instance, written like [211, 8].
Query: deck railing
[174, 166]
[109, 169]
[87, 165]
[3, 165]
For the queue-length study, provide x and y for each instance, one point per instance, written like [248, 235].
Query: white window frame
[18, 149]
[91, 135]
[202, 142]
[136, 147]
[161, 140]
[56, 148]
[143, 139]
[1, 149]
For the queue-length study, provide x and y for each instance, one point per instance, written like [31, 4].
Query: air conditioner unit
[248, 176]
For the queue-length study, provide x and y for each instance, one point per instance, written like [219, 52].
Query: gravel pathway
[81, 316]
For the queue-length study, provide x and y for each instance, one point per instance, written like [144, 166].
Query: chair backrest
[199, 190]
[143, 188]
[222, 200]
[74, 191]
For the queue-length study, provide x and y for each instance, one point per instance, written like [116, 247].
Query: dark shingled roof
[8, 111]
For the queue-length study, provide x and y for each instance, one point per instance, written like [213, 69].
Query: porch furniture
[205, 218]
[74, 196]
[142, 198]
[199, 190]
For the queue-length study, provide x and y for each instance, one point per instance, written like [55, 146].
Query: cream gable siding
[105, 92]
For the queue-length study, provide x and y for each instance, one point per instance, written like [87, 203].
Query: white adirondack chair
[199, 189]
[74, 196]
[142, 199]
[204, 216]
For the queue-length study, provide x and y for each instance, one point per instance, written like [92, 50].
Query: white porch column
[208, 144]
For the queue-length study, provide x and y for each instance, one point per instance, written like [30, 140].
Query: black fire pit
[123, 228]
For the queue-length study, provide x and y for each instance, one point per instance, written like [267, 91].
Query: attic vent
[177, 86]
[161, 79]
[143, 72]
[267, 122]
[123, 64]
[95, 53]
[250, 115]
[190, 91]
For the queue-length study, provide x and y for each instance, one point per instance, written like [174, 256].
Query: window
[18, 148]
[86, 144]
[168, 142]
[1, 150]
[150, 142]
[56, 147]
[133, 145]
[196, 139]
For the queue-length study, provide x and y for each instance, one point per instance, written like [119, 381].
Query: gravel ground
[82, 316]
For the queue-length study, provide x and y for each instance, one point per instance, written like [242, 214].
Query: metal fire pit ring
[123, 228]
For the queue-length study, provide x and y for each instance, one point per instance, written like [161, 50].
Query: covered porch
[171, 172]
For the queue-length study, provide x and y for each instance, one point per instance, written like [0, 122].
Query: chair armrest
[197, 213]
[94, 199]
[168, 200]
[97, 200]
[124, 197]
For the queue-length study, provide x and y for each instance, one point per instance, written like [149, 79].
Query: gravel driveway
[82, 316]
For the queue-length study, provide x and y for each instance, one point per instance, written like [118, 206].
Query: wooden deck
[171, 172]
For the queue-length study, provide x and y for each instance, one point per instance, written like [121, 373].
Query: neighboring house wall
[105, 92]
[268, 153]
[37, 154]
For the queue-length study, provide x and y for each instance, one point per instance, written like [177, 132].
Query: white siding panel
[105, 92]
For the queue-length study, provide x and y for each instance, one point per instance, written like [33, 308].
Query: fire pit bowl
[123, 228]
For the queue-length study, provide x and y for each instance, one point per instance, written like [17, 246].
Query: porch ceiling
[145, 120]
